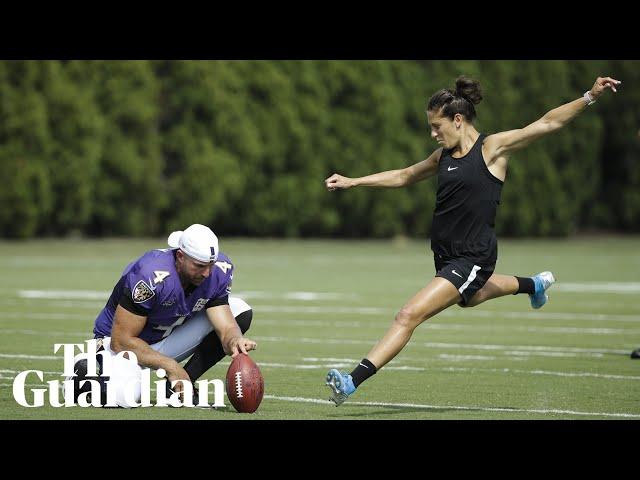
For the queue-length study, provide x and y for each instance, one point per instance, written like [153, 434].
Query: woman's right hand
[338, 182]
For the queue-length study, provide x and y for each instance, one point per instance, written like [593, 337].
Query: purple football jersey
[152, 283]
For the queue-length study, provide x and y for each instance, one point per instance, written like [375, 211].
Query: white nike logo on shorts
[456, 273]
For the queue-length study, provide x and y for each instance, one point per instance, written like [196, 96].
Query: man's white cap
[197, 241]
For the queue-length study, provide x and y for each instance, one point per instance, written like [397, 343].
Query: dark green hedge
[142, 147]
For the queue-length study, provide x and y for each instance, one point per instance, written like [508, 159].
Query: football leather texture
[245, 384]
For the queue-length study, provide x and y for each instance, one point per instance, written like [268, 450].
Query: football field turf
[323, 304]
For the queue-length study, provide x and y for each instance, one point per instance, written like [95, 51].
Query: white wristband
[588, 98]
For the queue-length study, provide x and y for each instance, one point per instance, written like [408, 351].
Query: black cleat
[635, 353]
[80, 371]
[194, 400]
[170, 391]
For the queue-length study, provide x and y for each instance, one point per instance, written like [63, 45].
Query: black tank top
[466, 203]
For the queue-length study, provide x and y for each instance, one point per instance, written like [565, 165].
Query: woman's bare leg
[432, 299]
[497, 286]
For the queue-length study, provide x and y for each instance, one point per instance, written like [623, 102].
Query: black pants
[210, 351]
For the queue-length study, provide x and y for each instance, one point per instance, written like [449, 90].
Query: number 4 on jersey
[160, 275]
[224, 266]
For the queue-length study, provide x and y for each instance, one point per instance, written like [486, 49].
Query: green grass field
[320, 304]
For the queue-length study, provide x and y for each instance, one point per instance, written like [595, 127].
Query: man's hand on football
[241, 345]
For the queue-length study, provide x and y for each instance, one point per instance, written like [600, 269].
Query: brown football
[245, 385]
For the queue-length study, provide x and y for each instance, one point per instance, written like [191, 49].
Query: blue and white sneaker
[542, 282]
[341, 385]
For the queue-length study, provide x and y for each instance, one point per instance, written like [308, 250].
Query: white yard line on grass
[95, 306]
[302, 296]
[516, 328]
[86, 335]
[514, 350]
[323, 324]
[453, 326]
[544, 315]
[345, 363]
[324, 361]
[456, 346]
[506, 350]
[104, 294]
[349, 325]
[454, 407]
[572, 287]
[66, 295]
[598, 287]
[18, 371]
[450, 313]
[48, 316]
[429, 407]
[323, 310]
[30, 357]
[328, 364]
[540, 348]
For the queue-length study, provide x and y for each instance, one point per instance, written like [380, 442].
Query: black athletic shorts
[466, 276]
